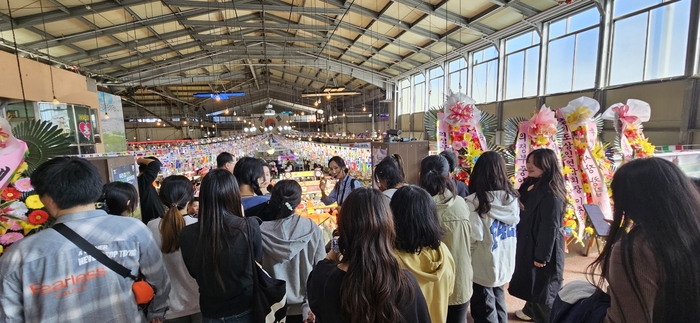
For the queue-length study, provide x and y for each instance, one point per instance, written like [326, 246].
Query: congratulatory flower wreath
[21, 211]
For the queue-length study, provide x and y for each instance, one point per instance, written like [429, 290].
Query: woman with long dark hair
[249, 176]
[292, 246]
[346, 183]
[389, 175]
[453, 214]
[650, 261]
[539, 257]
[419, 249]
[216, 250]
[175, 193]
[366, 285]
[119, 198]
[494, 214]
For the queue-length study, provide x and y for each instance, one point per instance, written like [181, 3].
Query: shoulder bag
[143, 291]
[269, 294]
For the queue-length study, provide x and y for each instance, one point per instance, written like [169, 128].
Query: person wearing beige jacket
[453, 215]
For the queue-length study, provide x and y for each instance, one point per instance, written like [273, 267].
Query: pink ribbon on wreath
[623, 115]
[461, 113]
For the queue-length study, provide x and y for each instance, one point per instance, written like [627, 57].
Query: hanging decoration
[628, 119]
[590, 171]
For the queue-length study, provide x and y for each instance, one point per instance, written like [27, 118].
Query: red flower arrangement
[37, 217]
[11, 194]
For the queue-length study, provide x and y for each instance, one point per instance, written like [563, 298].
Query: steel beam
[76, 11]
[251, 7]
[158, 20]
[390, 20]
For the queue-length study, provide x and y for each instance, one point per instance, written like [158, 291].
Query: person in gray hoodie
[494, 214]
[292, 246]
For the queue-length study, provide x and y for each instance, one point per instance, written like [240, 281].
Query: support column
[689, 113]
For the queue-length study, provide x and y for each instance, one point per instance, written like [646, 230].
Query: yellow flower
[589, 230]
[22, 167]
[587, 188]
[571, 223]
[16, 177]
[3, 229]
[455, 128]
[33, 202]
[581, 114]
[647, 147]
[28, 226]
[1, 249]
[467, 137]
[542, 141]
[567, 170]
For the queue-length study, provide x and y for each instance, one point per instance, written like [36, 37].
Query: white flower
[580, 111]
[18, 209]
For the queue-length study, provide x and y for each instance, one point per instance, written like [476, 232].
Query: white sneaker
[521, 316]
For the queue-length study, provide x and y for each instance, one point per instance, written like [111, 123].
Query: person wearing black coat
[539, 257]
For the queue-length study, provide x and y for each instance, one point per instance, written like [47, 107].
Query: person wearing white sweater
[494, 214]
[176, 192]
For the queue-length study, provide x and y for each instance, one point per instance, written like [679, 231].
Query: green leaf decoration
[430, 122]
[44, 141]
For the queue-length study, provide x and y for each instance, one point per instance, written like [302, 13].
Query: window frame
[473, 66]
[545, 70]
[611, 44]
[524, 51]
[429, 81]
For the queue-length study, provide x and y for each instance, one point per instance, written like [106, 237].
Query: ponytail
[434, 175]
[284, 198]
[170, 226]
[175, 192]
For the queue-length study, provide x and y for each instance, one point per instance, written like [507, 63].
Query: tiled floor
[574, 269]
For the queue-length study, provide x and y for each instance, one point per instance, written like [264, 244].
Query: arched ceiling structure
[158, 53]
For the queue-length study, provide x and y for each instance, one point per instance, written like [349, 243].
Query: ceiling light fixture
[269, 111]
[225, 111]
[218, 96]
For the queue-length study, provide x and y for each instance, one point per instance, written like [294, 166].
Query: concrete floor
[574, 269]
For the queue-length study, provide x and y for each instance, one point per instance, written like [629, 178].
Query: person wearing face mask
[539, 255]
[345, 184]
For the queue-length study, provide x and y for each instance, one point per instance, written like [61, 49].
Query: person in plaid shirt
[47, 278]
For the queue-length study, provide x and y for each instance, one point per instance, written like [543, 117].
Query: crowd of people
[430, 252]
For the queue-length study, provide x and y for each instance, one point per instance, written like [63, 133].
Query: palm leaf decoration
[599, 122]
[44, 141]
[511, 128]
[430, 122]
[489, 126]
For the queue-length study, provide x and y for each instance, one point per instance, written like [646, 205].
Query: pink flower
[10, 238]
[457, 145]
[13, 225]
[24, 185]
